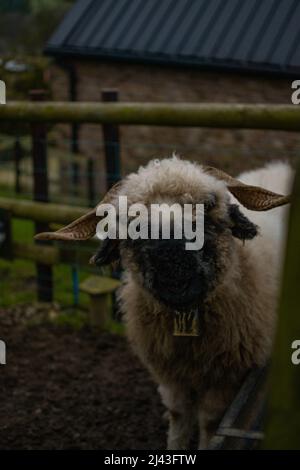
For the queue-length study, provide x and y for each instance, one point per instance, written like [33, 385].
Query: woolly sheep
[234, 280]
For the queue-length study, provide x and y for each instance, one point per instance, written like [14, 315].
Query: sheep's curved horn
[254, 198]
[82, 228]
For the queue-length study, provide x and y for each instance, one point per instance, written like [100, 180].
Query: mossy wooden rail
[41, 211]
[53, 214]
[217, 115]
[283, 417]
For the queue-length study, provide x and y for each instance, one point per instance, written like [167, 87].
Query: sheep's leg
[204, 434]
[181, 414]
[210, 414]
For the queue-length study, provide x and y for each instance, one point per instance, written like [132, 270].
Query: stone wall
[232, 150]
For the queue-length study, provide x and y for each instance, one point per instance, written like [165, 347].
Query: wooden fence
[283, 419]
[240, 116]
[110, 114]
[51, 215]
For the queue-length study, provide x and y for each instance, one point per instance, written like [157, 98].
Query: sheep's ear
[84, 227]
[241, 227]
[108, 253]
[253, 198]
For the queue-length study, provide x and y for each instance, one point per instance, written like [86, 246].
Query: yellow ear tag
[186, 323]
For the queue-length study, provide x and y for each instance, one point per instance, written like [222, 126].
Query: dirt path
[66, 389]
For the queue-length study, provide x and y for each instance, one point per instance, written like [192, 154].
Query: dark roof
[262, 35]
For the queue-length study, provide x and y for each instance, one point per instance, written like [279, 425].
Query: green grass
[18, 281]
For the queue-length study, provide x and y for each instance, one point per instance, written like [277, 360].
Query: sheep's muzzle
[175, 276]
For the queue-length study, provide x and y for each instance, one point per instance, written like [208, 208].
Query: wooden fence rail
[247, 116]
[53, 215]
[41, 212]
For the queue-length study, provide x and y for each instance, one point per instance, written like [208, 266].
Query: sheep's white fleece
[277, 177]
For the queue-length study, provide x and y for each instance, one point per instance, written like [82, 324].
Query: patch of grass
[18, 283]
[77, 318]
[9, 191]
[18, 277]
[116, 327]
[74, 318]
[23, 230]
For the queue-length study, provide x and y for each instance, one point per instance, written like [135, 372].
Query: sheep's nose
[172, 261]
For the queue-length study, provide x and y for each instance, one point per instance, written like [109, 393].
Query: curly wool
[237, 323]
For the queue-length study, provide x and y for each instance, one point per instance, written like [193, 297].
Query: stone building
[195, 51]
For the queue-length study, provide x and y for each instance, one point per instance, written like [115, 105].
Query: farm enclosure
[276, 117]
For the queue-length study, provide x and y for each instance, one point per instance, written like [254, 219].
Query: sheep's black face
[177, 277]
[180, 278]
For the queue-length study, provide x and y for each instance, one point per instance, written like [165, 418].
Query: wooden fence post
[6, 245]
[283, 413]
[18, 155]
[111, 137]
[91, 181]
[41, 193]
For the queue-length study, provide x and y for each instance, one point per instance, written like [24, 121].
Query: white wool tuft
[276, 177]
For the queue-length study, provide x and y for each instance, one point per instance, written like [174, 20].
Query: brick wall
[232, 150]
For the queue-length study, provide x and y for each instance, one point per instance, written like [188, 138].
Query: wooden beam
[283, 417]
[47, 255]
[61, 253]
[56, 215]
[41, 211]
[242, 116]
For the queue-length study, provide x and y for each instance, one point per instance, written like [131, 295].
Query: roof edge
[175, 61]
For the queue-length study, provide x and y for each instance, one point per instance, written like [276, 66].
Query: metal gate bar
[242, 422]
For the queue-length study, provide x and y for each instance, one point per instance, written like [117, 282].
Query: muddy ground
[74, 389]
